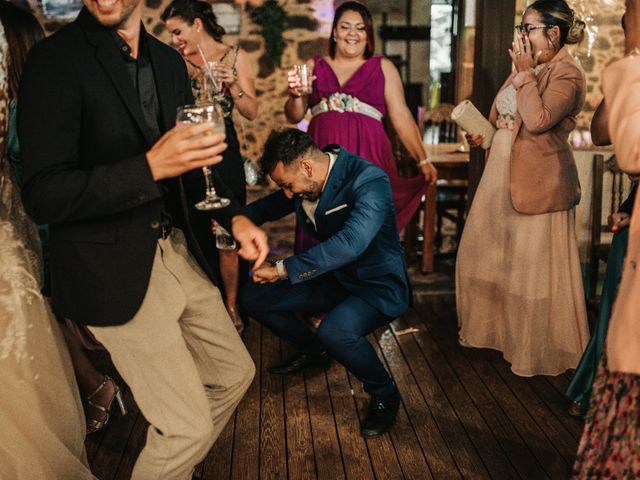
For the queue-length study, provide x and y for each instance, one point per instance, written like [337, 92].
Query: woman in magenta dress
[353, 91]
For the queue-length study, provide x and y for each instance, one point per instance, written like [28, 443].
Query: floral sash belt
[505, 122]
[342, 102]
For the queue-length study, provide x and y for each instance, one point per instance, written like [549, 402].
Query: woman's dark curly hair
[189, 10]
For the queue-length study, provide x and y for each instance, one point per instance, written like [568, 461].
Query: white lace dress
[42, 426]
[518, 280]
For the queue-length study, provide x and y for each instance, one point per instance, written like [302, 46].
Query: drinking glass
[212, 77]
[305, 78]
[224, 240]
[192, 114]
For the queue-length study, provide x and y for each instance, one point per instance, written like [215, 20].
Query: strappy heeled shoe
[93, 425]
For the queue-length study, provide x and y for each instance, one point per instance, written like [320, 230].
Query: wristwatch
[280, 269]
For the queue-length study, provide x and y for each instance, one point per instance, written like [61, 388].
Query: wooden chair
[451, 196]
[597, 251]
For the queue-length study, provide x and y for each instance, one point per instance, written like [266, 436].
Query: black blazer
[84, 139]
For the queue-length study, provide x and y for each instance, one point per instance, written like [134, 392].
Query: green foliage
[273, 20]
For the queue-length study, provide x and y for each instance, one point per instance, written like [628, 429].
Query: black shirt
[141, 73]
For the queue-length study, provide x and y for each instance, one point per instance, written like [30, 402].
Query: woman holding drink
[518, 280]
[349, 94]
[222, 74]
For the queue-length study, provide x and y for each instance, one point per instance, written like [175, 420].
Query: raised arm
[296, 105]
[542, 112]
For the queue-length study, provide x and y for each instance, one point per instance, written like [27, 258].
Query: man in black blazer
[106, 169]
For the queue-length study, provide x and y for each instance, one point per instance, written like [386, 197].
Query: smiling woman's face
[350, 35]
[184, 36]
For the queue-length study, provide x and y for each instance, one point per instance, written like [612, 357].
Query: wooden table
[452, 164]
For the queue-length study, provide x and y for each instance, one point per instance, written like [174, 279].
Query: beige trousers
[183, 360]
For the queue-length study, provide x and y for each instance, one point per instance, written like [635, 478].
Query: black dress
[230, 170]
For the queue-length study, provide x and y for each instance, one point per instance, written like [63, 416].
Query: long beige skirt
[518, 281]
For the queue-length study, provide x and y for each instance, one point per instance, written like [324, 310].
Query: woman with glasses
[518, 281]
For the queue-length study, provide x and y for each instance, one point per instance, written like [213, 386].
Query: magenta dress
[360, 134]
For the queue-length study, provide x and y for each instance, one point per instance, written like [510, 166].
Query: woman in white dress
[42, 427]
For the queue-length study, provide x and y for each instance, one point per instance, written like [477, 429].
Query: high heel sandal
[93, 425]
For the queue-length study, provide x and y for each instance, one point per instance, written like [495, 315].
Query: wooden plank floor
[464, 415]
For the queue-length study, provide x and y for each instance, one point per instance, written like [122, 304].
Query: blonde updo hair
[558, 13]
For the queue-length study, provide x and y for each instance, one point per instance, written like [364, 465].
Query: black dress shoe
[381, 415]
[300, 362]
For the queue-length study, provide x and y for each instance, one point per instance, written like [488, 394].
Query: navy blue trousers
[342, 332]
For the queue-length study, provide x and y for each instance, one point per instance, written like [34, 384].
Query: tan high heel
[94, 425]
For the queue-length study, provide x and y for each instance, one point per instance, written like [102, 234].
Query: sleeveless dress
[42, 426]
[360, 134]
[230, 169]
[518, 280]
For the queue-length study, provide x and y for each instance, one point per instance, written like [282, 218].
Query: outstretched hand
[252, 239]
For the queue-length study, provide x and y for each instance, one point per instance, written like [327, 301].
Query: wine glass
[190, 114]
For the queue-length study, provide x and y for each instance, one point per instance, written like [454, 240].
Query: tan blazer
[544, 177]
[621, 86]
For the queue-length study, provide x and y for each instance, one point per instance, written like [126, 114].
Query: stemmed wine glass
[190, 114]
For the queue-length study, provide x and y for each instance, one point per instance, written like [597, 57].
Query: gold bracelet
[423, 162]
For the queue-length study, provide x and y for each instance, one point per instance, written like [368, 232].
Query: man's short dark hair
[286, 146]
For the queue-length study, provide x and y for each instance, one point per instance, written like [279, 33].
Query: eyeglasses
[527, 27]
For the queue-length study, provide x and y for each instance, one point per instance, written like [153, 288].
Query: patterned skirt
[610, 444]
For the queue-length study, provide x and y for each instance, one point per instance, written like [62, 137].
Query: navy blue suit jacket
[356, 225]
